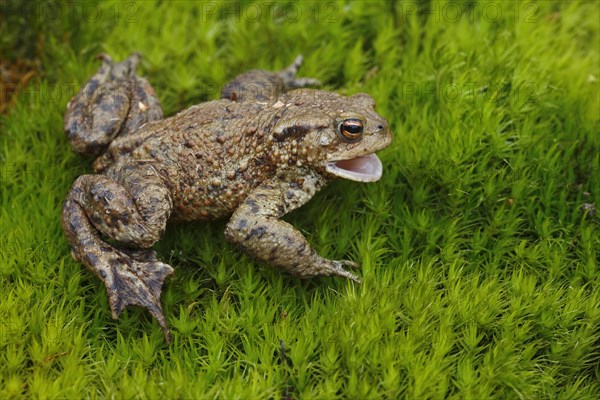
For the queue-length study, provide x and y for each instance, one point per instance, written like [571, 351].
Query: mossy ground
[480, 266]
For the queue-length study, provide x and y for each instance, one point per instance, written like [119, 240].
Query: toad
[262, 150]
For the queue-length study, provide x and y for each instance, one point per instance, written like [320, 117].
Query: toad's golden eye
[351, 129]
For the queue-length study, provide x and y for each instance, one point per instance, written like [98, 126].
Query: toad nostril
[380, 127]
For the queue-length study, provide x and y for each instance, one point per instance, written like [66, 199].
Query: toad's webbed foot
[261, 85]
[328, 267]
[135, 278]
[291, 81]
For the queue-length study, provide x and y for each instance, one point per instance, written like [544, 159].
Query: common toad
[259, 152]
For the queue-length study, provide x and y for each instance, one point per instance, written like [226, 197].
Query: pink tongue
[368, 165]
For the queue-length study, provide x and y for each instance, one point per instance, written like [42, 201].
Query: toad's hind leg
[97, 205]
[113, 102]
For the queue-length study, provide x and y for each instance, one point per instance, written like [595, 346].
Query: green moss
[480, 267]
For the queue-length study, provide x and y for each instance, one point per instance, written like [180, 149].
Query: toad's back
[210, 155]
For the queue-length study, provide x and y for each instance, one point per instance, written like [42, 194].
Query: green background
[480, 266]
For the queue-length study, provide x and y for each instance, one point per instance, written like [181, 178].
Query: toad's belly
[210, 197]
[205, 204]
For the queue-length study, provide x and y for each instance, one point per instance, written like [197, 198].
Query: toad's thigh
[132, 210]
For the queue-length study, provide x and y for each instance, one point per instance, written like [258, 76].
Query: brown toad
[259, 152]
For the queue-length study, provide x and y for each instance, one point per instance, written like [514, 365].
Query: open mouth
[361, 169]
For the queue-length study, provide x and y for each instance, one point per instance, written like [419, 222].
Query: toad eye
[351, 129]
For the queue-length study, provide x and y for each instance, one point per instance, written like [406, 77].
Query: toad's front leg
[256, 228]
